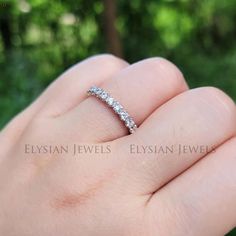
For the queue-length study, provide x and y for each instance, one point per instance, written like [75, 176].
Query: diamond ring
[115, 105]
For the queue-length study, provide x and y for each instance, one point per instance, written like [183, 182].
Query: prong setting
[115, 105]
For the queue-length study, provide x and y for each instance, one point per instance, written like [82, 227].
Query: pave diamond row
[115, 105]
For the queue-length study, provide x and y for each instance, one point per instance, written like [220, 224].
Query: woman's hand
[69, 167]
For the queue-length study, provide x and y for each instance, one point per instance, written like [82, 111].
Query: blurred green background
[39, 39]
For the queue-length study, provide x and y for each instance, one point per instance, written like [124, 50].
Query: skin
[120, 192]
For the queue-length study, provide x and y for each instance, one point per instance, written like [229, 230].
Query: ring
[115, 105]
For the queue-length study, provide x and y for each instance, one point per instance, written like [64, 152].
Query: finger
[71, 88]
[198, 120]
[203, 197]
[65, 92]
[140, 88]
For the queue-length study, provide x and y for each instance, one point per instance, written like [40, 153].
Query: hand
[120, 186]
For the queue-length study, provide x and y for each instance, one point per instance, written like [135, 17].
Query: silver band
[115, 105]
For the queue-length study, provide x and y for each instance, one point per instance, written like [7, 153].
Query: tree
[112, 36]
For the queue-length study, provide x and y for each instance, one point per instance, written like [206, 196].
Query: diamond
[98, 91]
[116, 106]
[92, 90]
[104, 95]
[110, 101]
[123, 115]
[129, 123]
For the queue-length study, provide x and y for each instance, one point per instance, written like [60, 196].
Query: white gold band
[115, 105]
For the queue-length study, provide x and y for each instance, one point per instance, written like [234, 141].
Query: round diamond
[110, 101]
[92, 90]
[129, 123]
[117, 107]
[98, 91]
[123, 115]
[104, 95]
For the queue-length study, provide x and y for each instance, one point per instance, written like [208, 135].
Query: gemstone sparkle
[115, 105]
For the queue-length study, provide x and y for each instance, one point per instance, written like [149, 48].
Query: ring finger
[140, 88]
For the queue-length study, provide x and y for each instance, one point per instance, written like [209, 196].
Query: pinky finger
[203, 198]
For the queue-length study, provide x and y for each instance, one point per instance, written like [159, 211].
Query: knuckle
[108, 60]
[215, 107]
[217, 98]
[169, 71]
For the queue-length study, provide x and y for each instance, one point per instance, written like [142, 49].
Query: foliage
[46, 37]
